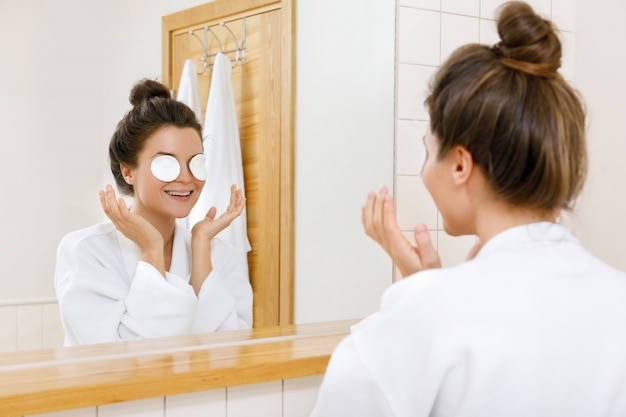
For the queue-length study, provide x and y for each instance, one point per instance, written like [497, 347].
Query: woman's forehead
[175, 141]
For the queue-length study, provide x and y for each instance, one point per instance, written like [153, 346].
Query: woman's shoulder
[431, 292]
[87, 236]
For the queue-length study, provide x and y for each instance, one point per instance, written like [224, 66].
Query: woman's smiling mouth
[179, 193]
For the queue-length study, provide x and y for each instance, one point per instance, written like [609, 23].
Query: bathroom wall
[288, 398]
[600, 61]
[428, 31]
[68, 67]
[344, 147]
[593, 60]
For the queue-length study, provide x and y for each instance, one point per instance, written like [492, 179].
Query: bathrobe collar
[180, 262]
[533, 233]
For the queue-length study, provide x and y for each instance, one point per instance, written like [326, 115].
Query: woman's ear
[463, 165]
[127, 173]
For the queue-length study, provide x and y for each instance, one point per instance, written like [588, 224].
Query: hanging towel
[223, 150]
[188, 88]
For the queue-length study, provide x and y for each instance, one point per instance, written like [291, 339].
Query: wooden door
[263, 85]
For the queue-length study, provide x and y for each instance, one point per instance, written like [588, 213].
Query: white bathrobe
[223, 150]
[107, 294]
[533, 326]
[188, 88]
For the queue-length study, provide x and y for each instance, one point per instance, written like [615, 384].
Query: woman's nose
[185, 174]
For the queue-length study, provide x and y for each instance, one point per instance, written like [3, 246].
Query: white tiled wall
[428, 31]
[288, 398]
[30, 325]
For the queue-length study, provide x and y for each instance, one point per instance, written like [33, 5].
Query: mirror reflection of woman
[140, 274]
[532, 324]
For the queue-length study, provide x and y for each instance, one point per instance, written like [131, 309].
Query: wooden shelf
[60, 379]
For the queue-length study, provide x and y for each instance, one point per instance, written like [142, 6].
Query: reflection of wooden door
[262, 84]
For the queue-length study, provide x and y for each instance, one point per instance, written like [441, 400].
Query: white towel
[223, 150]
[188, 88]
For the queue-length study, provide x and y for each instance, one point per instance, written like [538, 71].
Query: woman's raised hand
[134, 227]
[209, 227]
[379, 222]
[205, 230]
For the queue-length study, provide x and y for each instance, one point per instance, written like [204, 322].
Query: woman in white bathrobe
[139, 275]
[531, 325]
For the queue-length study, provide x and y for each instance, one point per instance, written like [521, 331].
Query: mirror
[68, 68]
[71, 74]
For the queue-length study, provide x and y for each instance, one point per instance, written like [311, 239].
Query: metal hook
[240, 51]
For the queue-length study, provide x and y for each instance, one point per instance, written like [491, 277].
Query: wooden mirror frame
[271, 266]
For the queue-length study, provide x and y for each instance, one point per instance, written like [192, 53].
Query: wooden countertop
[58, 379]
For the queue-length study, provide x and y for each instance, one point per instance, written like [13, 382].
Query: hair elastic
[497, 49]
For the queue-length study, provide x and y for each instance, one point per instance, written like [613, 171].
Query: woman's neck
[497, 217]
[164, 224]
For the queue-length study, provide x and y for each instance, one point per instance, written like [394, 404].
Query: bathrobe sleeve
[348, 388]
[99, 303]
[393, 361]
[225, 298]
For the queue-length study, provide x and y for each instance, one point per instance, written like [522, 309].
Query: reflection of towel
[223, 150]
[188, 88]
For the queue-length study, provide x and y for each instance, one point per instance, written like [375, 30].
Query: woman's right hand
[134, 227]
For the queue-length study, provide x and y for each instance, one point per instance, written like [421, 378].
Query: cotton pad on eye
[197, 166]
[165, 168]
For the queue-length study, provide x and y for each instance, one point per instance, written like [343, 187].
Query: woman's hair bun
[529, 42]
[146, 89]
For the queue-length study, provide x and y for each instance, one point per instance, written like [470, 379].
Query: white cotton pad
[197, 166]
[165, 168]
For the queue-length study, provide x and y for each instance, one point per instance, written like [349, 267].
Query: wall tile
[412, 90]
[150, 407]
[299, 395]
[8, 329]
[464, 7]
[258, 400]
[564, 14]
[52, 328]
[488, 32]
[422, 4]
[488, 8]
[568, 41]
[414, 204]
[410, 152]
[453, 250]
[29, 327]
[419, 36]
[457, 31]
[542, 7]
[197, 404]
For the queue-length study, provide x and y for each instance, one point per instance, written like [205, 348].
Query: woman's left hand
[379, 221]
[209, 227]
[205, 230]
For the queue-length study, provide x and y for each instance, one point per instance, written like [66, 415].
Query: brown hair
[509, 107]
[153, 109]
